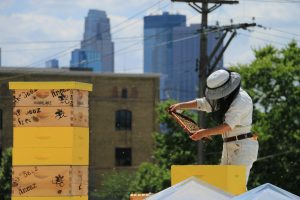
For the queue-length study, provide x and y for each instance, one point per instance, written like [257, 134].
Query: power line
[129, 39]
[38, 42]
[262, 39]
[61, 41]
[278, 30]
[33, 49]
[264, 27]
[132, 38]
[279, 36]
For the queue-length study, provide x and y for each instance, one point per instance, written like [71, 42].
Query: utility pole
[202, 77]
[202, 72]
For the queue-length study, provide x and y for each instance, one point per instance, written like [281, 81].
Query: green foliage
[150, 178]
[5, 175]
[114, 186]
[273, 82]
[213, 150]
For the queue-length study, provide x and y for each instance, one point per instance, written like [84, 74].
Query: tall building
[158, 46]
[97, 48]
[171, 48]
[184, 75]
[78, 58]
[53, 63]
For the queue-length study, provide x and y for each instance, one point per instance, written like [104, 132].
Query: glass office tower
[78, 58]
[171, 48]
[158, 47]
[185, 74]
[97, 48]
[53, 63]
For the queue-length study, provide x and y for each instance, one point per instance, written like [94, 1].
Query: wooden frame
[188, 124]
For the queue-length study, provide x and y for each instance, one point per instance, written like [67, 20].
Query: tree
[150, 178]
[5, 174]
[114, 186]
[272, 80]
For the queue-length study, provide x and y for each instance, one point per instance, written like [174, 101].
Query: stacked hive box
[51, 140]
[230, 178]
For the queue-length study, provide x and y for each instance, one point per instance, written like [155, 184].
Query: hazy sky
[33, 31]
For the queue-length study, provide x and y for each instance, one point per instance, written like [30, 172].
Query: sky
[33, 31]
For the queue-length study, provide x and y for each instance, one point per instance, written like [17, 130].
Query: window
[123, 156]
[123, 120]
[124, 93]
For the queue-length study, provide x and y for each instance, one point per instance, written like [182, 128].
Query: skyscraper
[53, 63]
[78, 58]
[158, 46]
[184, 75]
[172, 49]
[97, 48]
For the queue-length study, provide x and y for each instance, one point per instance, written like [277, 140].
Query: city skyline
[62, 23]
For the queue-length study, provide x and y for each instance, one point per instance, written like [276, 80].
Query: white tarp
[265, 192]
[191, 189]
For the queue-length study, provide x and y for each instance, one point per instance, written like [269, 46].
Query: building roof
[267, 191]
[68, 72]
[191, 189]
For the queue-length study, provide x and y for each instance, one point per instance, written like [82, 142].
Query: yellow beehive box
[50, 156]
[50, 85]
[51, 198]
[50, 116]
[49, 181]
[230, 178]
[53, 97]
[51, 137]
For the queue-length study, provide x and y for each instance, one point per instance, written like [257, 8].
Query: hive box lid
[50, 85]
